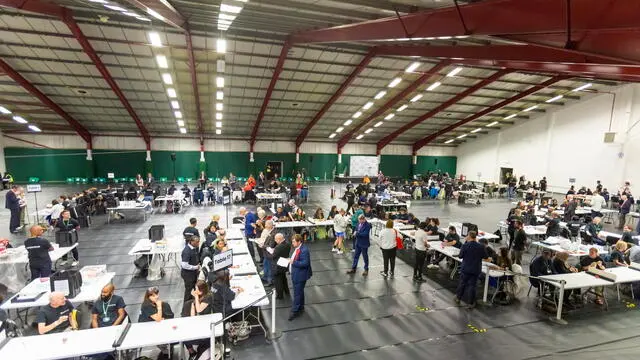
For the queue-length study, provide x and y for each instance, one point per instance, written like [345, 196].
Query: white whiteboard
[363, 165]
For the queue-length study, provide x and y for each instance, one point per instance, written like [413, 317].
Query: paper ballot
[284, 262]
[270, 250]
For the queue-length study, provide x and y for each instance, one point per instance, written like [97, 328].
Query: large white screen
[363, 165]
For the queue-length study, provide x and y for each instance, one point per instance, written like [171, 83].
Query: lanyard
[105, 308]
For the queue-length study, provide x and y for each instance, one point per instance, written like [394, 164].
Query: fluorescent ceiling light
[411, 68]
[183, 130]
[359, 136]
[226, 17]
[221, 46]
[492, 124]
[34, 128]
[218, 124]
[142, 18]
[223, 27]
[154, 38]
[172, 92]
[132, 14]
[402, 107]
[357, 114]
[4, 110]
[416, 98]
[178, 114]
[154, 14]
[116, 8]
[219, 106]
[368, 131]
[461, 136]
[444, 37]
[390, 116]
[448, 141]
[510, 116]
[230, 8]
[378, 123]
[434, 85]
[162, 61]
[332, 135]
[530, 108]
[462, 37]
[166, 77]
[175, 104]
[394, 82]
[180, 123]
[555, 98]
[347, 123]
[98, 1]
[218, 116]
[583, 87]
[476, 130]
[20, 119]
[224, 22]
[368, 105]
[220, 65]
[380, 95]
[219, 95]
[220, 81]
[454, 72]
[218, 131]
[339, 129]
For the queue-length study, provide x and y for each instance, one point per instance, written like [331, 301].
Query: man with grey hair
[362, 245]
[281, 250]
[57, 316]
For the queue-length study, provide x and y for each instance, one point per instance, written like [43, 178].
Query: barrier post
[273, 333]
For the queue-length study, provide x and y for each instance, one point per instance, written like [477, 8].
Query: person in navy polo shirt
[472, 254]
[38, 250]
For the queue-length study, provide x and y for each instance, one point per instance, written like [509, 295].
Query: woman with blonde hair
[617, 255]
[389, 248]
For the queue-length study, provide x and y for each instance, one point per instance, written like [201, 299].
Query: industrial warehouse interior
[438, 178]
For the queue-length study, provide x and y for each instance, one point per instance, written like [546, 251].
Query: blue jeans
[250, 246]
[266, 268]
[365, 255]
[298, 297]
[467, 286]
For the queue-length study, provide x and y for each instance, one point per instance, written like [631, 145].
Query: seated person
[553, 226]
[627, 235]
[148, 193]
[319, 214]
[540, 266]
[57, 316]
[220, 245]
[362, 199]
[594, 261]
[202, 304]
[493, 256]
[402, 216]
[574, 225]
[368, 212]
[56, 210]
[451, 239]
[593, 229]
[617, 255]
[290, 207]
[412, 220]
[281, 214]
[504, 260]
[171, 190]
[152, 308]
[186, 191]
[274, 186]
[109, 309]
[211, 193]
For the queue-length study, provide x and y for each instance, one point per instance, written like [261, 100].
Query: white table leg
[486, 287]
[618, 290]
[558, 318]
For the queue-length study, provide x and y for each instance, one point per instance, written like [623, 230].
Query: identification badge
[106, 319]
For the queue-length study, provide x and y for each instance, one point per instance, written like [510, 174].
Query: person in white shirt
[340, 223]
[387, 242]
[56, 209]
[597, 202]
[421, 247]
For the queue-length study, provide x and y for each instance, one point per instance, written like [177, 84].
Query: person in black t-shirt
[109, 309]
[594, 261]
[66, 223]
[153, 309]
[519, 242]
[350, 198]
[617, 255]
[202, 304]
[191, 230]
[56, 316]
[38, 250]
[222, 293]
[190, 266]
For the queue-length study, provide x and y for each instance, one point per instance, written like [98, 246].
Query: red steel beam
[602, 71]
[361, 66]
[389, 104]
[267, 97]
[420, 143]
[517, 17]
[194, 84]
[36, 6]
[169, 15]
[81, 130]
[88, 49]
[389, 138]
[496, 52]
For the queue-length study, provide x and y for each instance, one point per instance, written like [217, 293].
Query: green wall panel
[433, 163]
[220, 164]
[121, 164]
[288, 162]
[395, 165]
[47, 164]
[319, 165]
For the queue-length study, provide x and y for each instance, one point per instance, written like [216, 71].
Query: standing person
[139, 181]
[282, 250]
[350, 198]
[23, 206]
[265, 242]
[66, 223]
[625, 208]
[472, 253]
[354, 224]
[249, 229]
[389, 247]
[109, 310]
[191, 230]
[150, 179]
[12, 202]
[339, 228]
[597, 202]
[520, 238]
[421, 247]
[570, 209]
[38, 249]
[543, 184]
[300, 268]
[189, 265]
[362, 244]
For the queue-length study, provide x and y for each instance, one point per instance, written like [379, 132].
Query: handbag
[399, 241]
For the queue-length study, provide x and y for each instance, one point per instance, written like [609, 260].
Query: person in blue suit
[362, 245]
[300, 268]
